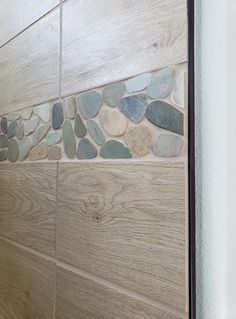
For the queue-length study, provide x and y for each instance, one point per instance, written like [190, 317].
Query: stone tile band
[142, 117]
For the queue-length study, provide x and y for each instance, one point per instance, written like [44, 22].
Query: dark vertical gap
[191, 163]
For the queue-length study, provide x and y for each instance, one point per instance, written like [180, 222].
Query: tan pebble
[178, 93]
[54, 153]
[139, 140]
[113, 122]
[39, 152]
[70, 107]
[26, 113]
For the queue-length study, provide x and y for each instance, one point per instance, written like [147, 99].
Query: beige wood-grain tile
[80, 297]
[29, 65]
[26, 284]
[28, 204]
[126, 222]
[104, 41]
[16, 15]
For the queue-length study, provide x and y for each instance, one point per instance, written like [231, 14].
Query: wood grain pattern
[16, 15]
[26, 284]
[30, 65]
[28, 204]
[80, 297]
[119, 39]
[126, 222]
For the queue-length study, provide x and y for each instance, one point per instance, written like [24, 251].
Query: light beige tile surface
[26, 284]
[108, 40]
[16, 15]
[28, 204]
[126, 222]
[30, 65]
[79, 297]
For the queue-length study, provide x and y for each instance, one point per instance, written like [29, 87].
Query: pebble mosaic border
[142, 117]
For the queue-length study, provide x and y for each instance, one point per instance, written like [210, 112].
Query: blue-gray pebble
[166, 116]
[86, 150]
[69, 139]
[57, 115]
[162, 85]
[89, 104]
[112, 93]
[133, 107]
[113, 150]
[3, 141]
[13, 150]
[11, 130]
[4, 125]
[80, 129]
[95, 132]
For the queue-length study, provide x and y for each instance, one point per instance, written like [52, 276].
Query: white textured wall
[216, 158]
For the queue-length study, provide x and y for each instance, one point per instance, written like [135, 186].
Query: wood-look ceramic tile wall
[30, 65]
[17, 15]
[119, 39]
[87, 240]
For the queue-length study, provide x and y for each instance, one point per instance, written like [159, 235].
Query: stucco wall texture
[215, 158]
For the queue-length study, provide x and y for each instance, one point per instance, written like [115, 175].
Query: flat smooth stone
[43, 112]
[168, 145]
[70, 107]
[95, 132]
[39, 152]
[133, 107]
[113, 149]
[30, 126]
[113, 122]
[3, 141]
[40, 133]
[178, 93]
[57, 115]
[26, 113]
[24, 147]
[13, 150]
[138, 83]
[166, 116]
[54, 153]
[162, 85]
[80, 129]
[11, 130]
[112, 93]
[69, 139]
[86, 150]
[139, 140]
[20, 131]
[4, 125]
[53, 138]
[89, 104]
[2, 155]
[13, 116]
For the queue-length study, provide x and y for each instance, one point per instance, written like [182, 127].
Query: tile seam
[55, 267]
[109, 284]
[28, 249]
[30, 25]
[100, 86]
[105, 282]
[60, 48]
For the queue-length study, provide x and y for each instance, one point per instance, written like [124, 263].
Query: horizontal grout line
[99, 86]
[61, 97]
[170, 309]
[30, 25]
[28, 249]
[107, 283]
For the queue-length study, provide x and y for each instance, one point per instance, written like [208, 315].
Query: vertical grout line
[60, 48]
[55, 265]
